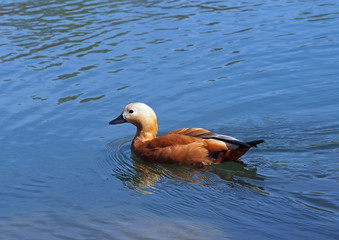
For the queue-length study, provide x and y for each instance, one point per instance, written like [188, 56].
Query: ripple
[68, 98]
[148, 177]
[31, 189]
[92, 99]
[263, 69]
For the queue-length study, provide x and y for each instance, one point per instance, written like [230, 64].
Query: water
[257, 69]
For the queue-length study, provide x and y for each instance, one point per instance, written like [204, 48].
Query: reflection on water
[144, 177]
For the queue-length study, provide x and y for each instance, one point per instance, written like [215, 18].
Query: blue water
[253, 70]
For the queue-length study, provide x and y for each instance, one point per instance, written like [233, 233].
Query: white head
[142, 116]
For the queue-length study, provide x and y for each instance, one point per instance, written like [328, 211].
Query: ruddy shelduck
[184, 146]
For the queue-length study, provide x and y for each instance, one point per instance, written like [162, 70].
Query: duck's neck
[147, 132]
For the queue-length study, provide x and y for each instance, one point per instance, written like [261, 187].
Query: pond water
[250, 69]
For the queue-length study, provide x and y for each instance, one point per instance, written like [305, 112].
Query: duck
[184, 146]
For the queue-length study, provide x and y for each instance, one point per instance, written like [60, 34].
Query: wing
[191, 146]
[231, 142]
[193, 132]
[173, 149]
[171, 139]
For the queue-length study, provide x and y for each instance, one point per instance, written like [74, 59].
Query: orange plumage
[184, 146]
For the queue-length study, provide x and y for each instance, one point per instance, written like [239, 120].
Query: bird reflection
[144, 177]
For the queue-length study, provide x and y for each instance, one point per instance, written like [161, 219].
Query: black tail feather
[255, 143]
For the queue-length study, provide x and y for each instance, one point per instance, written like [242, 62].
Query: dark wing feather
[224, 138]
[205, 134]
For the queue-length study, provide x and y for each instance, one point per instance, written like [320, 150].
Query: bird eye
[130, 111]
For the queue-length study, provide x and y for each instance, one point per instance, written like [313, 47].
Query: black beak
[118, 120]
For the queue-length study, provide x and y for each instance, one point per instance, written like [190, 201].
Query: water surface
[258, 69]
